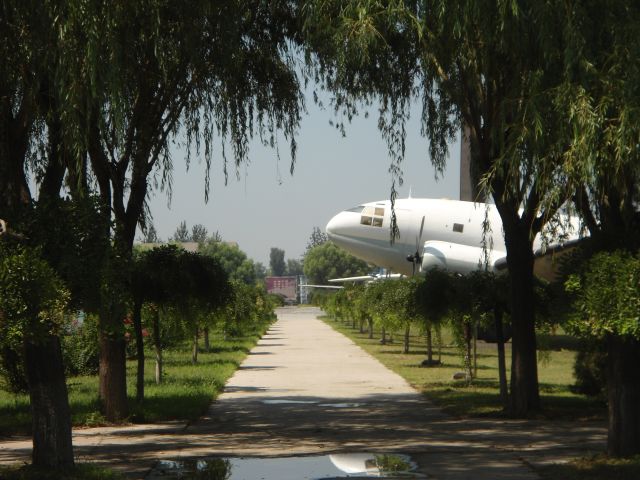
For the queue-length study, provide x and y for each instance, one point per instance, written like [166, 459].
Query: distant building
[286, 287]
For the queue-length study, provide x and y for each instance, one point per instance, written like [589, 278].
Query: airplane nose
[340, 225]
[332, 226]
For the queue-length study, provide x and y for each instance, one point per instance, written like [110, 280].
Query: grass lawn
[481, 396]
[85, 471]
[594, 468]
[186, 391]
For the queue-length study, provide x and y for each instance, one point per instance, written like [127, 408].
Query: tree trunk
[113, 378]
[194, 349]
[157, 345]
[113, 364]
[207, 345]
[429, 336]
[624, 396]
[137, 327]
[502, 363]
[383, 336]
[361, 325]
[370, 321]
[467, 346]
[51, 417]
[475, 349]
[525, 397]
[407, 333]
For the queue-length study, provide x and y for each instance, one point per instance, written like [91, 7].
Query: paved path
[305, 389]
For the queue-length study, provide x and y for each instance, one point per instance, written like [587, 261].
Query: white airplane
[436, 233]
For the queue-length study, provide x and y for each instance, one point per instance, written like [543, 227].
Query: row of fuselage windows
[374, 216]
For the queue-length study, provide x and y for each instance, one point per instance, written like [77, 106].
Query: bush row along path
[306, 389]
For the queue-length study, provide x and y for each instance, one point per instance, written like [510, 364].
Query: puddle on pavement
[318, 467]
[284, 401]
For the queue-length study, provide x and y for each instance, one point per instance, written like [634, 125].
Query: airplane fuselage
[444, 233]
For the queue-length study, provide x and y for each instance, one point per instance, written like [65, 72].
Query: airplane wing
[362, 278]
[547, 259]
[368, 278]
[333, 287]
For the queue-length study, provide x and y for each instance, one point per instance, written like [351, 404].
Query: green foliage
[233, 260]
[247, 306]
[80, 349]
[276, 262]
[434, 296]
[73, 237]
[329, 261]
[182, 233]
[151, 235]
[590, 370]
[396, 305]
[33, 301]
[202, 280]
[199, 233]
[32, 298]
[606, 296]
[337, 304]
[392, 463]
[317, 238]
[294, 267]
[167, 275]
[12, 375]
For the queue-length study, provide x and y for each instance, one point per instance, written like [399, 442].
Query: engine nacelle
[457, 258]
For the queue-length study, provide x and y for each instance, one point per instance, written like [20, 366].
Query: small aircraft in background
[449, 234]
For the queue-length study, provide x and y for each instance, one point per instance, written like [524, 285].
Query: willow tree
[19, 84]
[491, 66]
[33, 297]
[603, 93]
[146, 71]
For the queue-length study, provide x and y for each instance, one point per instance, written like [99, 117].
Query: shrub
[590, 370]
[80, 349]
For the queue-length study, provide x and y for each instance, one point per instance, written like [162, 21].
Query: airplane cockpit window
[372, 216]
[357, 209]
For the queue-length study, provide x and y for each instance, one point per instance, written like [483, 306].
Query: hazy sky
[268, 207]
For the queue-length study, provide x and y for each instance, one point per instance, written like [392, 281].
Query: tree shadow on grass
[202, 361]
[227, 349]
[183, 404]
[594, 468]
[559, 342]
[15, 419]
[466, 400]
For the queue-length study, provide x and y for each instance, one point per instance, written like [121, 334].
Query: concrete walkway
[306, 389]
